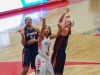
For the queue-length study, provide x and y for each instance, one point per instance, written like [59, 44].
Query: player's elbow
[23, 43]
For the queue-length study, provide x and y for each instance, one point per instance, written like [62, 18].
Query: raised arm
[64, 29]
[62, 16]
[60, 24]
[63, 22]
[58, 33]
[41, 35]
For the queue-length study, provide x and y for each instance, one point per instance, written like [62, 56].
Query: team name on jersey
[32, 33]
[47, 43]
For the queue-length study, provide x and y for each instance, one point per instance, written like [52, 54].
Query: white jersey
[44, 46]
[42, 61]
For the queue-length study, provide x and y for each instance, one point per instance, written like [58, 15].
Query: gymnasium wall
[9, 6]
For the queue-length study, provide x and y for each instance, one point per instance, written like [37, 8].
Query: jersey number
[48, 48]
[47, 53]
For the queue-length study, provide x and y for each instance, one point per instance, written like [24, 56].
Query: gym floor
[83, 48]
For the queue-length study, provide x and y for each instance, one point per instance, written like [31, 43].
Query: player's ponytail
[71, 22]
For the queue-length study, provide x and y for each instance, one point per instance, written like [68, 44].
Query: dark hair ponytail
[50, 29]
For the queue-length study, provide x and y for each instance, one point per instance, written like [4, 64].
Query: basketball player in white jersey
[42, 62]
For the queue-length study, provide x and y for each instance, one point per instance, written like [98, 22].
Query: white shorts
[43, 65]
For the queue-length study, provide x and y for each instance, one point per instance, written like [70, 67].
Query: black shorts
[58, 61]
[28, 57]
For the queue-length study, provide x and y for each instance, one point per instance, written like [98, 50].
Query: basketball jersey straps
[61, 43]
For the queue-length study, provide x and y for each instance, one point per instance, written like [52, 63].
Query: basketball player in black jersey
[30, 42]
[59, 54]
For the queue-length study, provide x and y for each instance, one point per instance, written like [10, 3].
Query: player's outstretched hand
[67, 10]
[41, 18]
[21, 31]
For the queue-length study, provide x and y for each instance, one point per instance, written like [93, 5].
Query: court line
[81, 63]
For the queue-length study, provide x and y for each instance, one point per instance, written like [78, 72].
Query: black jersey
[30, 34]
[61, 43]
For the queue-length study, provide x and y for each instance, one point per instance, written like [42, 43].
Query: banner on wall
[6, 5]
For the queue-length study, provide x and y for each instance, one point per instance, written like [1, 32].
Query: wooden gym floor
[83, 49]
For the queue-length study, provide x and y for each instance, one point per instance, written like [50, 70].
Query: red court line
[97, 34]
[12, 68]
[81, 63]
[15, 68]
